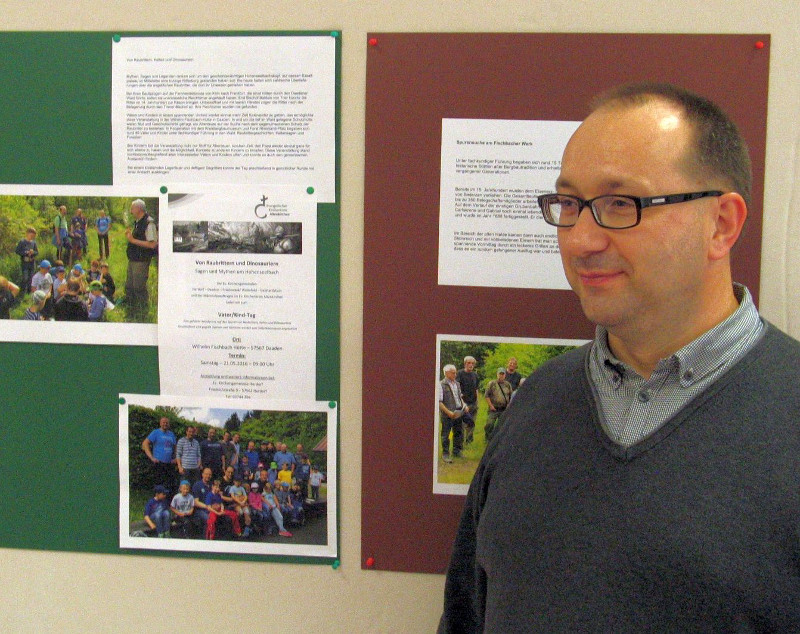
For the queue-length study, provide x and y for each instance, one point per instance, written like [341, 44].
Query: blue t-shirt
[281, 457]
[200, 490]
[213, 498]
[154, 505]
[99, 303]
[252, 459]
[102, 224]
[163, 444]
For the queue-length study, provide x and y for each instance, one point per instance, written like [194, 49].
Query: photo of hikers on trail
[79, 258]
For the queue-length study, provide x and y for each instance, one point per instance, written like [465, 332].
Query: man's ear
[729, 221]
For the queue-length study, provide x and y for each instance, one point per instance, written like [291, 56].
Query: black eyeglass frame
[639, 202]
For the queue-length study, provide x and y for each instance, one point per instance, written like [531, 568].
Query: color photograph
[477, 378]
[78, 265]
[222, 477]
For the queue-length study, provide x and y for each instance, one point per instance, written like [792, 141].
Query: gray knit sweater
[696, 528]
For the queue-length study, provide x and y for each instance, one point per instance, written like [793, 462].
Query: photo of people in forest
[79, 258]
[477, 379]
[225, 479]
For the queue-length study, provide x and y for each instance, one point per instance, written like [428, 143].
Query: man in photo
[159, 447]
[211, 453]
[512, 376]
[142, 242]
[468, 380]
[187, 457]
[103, 226]
[451, 411]
[498, 396]
[27, 251]
[647, 481]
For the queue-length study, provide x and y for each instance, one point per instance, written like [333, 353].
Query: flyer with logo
[237, 292]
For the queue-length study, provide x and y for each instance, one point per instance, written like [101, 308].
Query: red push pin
[373, 41]
[370, 562]
[759, 44]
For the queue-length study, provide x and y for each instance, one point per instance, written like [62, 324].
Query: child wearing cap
[34, 311]
[256, 504]
[59, 282]
[97, 302]
[42, 280]
[156, 512]
[272, 473]
[77, 273]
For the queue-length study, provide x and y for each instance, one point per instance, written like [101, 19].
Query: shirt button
[643, 396]
[689, 374]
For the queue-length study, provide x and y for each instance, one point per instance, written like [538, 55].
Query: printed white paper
[257, 109]
[491, 232]
[237, 307]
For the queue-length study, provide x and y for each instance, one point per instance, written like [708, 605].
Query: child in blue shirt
[97, 301]
[156, 512]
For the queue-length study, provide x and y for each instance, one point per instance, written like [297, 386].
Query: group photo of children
[236, 476]
[477, 382]
[67, 258]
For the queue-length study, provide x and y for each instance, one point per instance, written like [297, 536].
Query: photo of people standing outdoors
[79, 258]
[477, 381]
[222, 479]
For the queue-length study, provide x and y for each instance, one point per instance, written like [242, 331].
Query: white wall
[72, 592]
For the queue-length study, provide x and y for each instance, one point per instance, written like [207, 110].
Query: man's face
[164, 424]
[512, 365]
[136, 212]
[226, 436]
[251, 446]
[79, 213]
[207, 475]
[236, 438]
[450, 374]
[469, 366]
[190, 432]
[501, 377]
[212, 434]
[650, 276]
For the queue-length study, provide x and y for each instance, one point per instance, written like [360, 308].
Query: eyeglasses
[611, 212]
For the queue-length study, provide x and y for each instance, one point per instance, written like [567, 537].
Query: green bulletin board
[59, 403]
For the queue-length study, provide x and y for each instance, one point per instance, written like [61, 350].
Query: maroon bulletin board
[413, 82]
